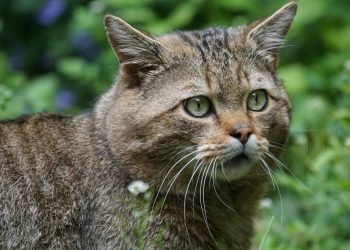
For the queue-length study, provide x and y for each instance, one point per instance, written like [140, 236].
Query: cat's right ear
[137, 52]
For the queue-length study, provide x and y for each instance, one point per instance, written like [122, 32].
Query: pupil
[198, 105]
[256, 98]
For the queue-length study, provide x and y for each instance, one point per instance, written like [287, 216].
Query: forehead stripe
[226, 40]
[199, 48]
[185, 38]
[188, 40]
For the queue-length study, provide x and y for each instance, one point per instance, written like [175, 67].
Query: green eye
[257, 100]
[198, 106]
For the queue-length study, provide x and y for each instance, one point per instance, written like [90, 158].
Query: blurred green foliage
[54, 56]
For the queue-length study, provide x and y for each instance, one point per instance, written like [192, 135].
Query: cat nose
[242, 133]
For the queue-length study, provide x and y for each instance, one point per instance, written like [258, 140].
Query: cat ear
[133, 48]
[270, 33]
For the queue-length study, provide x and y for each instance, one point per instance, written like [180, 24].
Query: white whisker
[161, 185]
[217, 195]
[275, 146]
[211, 176]
[202, 194]
[172, 181]
[201, 190]
[281, 166]
[196, 168]
[223, 171]
[195, 188]
[278, 189]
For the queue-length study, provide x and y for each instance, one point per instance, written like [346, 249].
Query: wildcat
[195, 115]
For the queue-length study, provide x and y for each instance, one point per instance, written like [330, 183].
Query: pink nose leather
[242, 133]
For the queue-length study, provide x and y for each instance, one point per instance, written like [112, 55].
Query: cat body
[193, 115]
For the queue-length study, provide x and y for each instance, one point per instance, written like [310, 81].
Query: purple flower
[50, 12]
[84, 43]
[64, 99]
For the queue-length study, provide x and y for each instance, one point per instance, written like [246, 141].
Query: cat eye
[257, 100]
[198, 106]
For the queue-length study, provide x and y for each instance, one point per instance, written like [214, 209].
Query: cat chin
[235, 170]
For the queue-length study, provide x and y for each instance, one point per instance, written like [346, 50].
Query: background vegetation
[54, 56]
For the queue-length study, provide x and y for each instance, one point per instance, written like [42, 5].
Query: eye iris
[198, 106]
[257, 100]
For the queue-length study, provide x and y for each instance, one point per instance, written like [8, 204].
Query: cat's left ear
[269, 34]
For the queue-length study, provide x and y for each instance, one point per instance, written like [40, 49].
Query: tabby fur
[64, 180]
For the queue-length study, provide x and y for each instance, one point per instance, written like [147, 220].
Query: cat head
[206, 100]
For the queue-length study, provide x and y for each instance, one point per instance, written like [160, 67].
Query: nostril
[236, 135]
[242, 134]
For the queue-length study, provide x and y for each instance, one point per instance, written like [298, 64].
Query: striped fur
[63, 180]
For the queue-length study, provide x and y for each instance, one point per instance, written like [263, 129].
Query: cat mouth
[235, 167]
[239, 160]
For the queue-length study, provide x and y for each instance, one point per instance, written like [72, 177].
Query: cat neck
[225, 213]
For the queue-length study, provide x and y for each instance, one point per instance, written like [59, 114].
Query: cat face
[205, 101]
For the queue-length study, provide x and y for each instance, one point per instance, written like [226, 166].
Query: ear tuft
[269, 34]
[132, 46]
